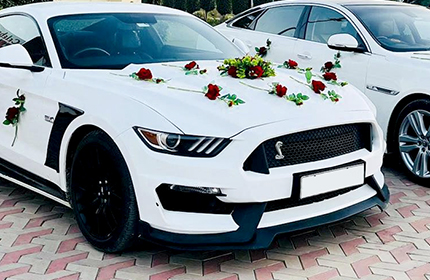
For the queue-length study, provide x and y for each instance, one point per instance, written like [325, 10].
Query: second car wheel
[413, 140]
[102, 194]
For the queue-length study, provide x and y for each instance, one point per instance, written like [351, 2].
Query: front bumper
[248, 216]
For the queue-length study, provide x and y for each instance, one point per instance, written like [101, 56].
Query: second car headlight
[180, 144]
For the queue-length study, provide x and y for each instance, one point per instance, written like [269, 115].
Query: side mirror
[241, 45]
[16, 56]
[343, 42]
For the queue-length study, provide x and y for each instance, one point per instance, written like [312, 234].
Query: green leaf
[22, 109]
[14, 121]
[192, 72]
[6, 122]
[240, 101]
[308, 75]
[233, 97]
[305, 97]
[257, 49]
[227, 96]
[220, 88]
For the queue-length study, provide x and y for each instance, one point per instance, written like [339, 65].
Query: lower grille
[310, 145]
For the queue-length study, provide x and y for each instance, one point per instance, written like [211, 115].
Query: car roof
[336, 2]
[47, 10]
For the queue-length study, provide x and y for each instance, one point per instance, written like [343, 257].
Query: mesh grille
[318, 144]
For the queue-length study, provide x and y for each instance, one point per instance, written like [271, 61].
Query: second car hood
[179, 101]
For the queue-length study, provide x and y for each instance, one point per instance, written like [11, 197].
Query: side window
[324, 22]
[19, 29]
[246, 21]
[280, 20]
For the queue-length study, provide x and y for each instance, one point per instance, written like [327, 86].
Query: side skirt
[31, 181]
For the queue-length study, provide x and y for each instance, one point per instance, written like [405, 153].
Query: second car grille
[310, 145]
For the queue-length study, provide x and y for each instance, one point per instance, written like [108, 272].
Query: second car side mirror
[16, 56]
[343, 42]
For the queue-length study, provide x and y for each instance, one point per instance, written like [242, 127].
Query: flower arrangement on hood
[280, 90]
[213, 92]
[250, 67]
[262, 51]
[13, 113]
[146, 75]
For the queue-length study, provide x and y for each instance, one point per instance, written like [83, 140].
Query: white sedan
[384, 51]
[150, 124]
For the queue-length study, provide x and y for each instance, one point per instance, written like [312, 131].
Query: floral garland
[281, 91]
[262, 51]
[212, 92]
[13, 113]
[250, 67]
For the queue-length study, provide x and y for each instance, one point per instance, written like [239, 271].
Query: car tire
[412, 139]
[102, 194]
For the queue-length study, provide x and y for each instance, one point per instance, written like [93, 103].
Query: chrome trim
[382, 90]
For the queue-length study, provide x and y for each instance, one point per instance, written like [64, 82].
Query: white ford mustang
[142, 119]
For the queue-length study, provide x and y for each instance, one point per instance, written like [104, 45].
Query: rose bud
[281, 90]
[232, 71]
[191, 65]
[328, 76]
[317, 86]
[256, 71]
[11, 113]
[328, 65]
[144, 74]
[213, 92]
[292, 64]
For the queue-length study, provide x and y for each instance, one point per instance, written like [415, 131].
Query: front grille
[311, 145]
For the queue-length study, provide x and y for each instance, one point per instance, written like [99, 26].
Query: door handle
[304, 56]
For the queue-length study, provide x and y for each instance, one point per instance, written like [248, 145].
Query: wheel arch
[395, 113]
[74, 141]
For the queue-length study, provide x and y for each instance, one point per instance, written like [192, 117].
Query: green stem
[16, 134]
[170, 65]
[121, 75]
[254, 87]
[184, 89]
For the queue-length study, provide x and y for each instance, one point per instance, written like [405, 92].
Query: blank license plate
[331, 180]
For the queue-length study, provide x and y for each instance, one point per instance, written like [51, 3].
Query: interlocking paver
[39, 239]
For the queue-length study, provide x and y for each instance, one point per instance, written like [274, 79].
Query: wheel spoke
[424, 164]
[408, 148]
[416, 120]
[408, 139]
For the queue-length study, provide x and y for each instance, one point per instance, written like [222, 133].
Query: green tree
[240, 6]
[10, 3]
[193, 5]
[223, 6]
[181, 4]
[207, 5]
[259, 2]
[169, 3]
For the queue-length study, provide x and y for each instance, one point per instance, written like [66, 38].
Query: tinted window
[280, 20]
[246, 21]
[18, 29]
[397, 27]
[113, 41]
[324, 22]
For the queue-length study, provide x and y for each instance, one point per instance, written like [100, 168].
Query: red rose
[330, 76]
[191, 65]
[213, 92]
[328, 65]
[12, 113]
[256, 72]
[292, 63]
[262, 51]
[232, 71]
[281, 90]
[318, 86]
[144, 74]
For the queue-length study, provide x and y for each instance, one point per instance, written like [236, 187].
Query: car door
[278, 24]
[312, 51]
[25, 144]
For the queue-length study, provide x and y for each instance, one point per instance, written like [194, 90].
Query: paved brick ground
[40, 240]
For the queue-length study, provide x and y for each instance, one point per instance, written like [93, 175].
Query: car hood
[180, 101]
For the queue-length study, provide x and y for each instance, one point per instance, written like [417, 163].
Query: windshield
[398, 28]
[113, 41]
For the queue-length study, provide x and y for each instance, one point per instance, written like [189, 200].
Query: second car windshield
[113, 41]
[397, 28]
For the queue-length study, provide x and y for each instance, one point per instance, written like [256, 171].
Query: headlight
[182, 145]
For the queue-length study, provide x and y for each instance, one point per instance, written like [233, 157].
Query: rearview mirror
[16, 56]
[343, 42]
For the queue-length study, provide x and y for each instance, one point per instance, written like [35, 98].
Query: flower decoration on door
[262, 51]
[13, 113]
